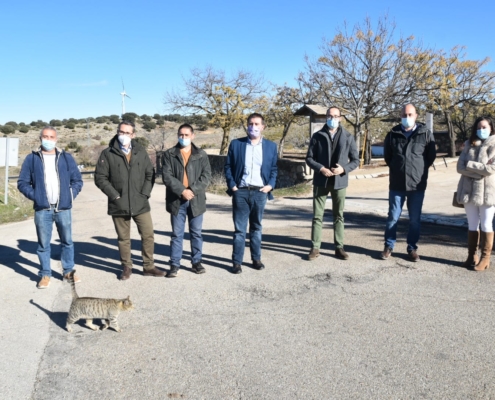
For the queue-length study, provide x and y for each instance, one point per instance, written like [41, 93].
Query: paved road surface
[363, 328]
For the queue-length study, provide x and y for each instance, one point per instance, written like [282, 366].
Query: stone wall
[290, 172]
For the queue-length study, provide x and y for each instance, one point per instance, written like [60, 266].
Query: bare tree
[224, 100]
[367, 72]
[283, 104]
[457, 88]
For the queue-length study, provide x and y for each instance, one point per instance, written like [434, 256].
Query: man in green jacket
[125, 174]
[186, 173]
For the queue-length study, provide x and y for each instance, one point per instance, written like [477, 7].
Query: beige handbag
[455, 203]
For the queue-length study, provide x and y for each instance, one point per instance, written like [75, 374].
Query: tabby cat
[90, 307]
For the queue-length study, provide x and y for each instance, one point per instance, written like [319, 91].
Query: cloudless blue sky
[63, 59]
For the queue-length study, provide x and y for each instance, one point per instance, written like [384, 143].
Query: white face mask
[407, 122]
[124, 140]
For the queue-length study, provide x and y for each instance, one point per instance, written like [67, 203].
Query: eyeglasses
[125, 133]
[333, 116]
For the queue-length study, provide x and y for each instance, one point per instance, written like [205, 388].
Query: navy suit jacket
[236, 160]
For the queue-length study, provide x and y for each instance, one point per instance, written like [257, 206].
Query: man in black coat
[332, 154]
[409, 151]
[125, 174]
[186, 173]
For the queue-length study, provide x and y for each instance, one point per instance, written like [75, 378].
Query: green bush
[70, 125]
[157, 116]
[55, 122]
[24, 129]
[102, 120]
[142, 141]
[103, 143]
[149, 125]
[130, 117]
[79, 148]
[115, 119]
[73, 145]
[7, 129]
[107, 128]
[145, 117]
[12, 124]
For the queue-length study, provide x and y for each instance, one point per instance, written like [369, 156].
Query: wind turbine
[124, 95]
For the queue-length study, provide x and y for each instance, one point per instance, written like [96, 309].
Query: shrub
[157, 116]
[145, 117]
[70, 125]
[7, 129]
[103, 143]
[107, 128]
[79, 149]
[142, 141]
[149, 125]
[102, 119]
[73, 145]
[130, 117]
[12, 124]
[24, 129]
[115, 119]
[55, 122]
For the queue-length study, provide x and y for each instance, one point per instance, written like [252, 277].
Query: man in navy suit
[251, 172]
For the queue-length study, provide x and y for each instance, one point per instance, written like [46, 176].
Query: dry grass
[18, 208]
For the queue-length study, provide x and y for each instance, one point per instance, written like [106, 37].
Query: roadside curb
[381, 174]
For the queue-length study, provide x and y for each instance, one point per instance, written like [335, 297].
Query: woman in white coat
[476, 190]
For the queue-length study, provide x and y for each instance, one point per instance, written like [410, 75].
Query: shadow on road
[58, 317]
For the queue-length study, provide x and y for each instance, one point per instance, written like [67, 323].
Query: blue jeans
[44, 223]
[414, 200]
[178, 225]
[247, 205]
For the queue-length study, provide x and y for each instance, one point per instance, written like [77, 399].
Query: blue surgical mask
[184, 142]
[483, 133]
[407, 122]
[333, 123]
[48, 145]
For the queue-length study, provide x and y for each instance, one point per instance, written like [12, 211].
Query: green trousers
[319, 199]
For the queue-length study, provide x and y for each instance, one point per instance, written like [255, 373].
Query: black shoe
[236, 269]
[198, 268]
[257, 264]
[386, 253]
[173, 272]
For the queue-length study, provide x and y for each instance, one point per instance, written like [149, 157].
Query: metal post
[6, 172]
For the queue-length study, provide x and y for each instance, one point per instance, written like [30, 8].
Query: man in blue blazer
[251, 173]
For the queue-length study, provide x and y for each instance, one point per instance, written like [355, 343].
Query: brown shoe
[126, 273]
[386, 253]
[154, 272]
[340, 253]
[44, 283]
[313, 254]
[486, 245]
[74, 277]
[413, 256]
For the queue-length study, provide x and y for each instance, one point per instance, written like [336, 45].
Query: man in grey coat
[186, 173]
[332, 154]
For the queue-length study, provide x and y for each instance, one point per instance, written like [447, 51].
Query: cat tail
[73, 287]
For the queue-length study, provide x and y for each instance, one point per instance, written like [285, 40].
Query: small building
[317, 116]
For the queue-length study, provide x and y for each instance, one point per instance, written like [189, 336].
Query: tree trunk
[282, 141]
[357, 138]
[225, 142]
[452, 137]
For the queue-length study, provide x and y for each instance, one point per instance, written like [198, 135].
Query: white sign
[13, 151]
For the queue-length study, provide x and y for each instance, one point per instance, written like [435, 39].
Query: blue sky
[62, 59]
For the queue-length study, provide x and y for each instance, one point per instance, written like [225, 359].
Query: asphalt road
[362, 328]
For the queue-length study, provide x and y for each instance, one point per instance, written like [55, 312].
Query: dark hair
[256, 115]
[185, 126]
[127, 123]
[474, 137]
[329, 108]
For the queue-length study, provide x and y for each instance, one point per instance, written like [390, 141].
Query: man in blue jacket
[50, 178]
[251, 173]
[332, 154]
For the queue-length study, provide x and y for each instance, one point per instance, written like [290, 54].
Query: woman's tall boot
[486, 245]
[473, 240]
